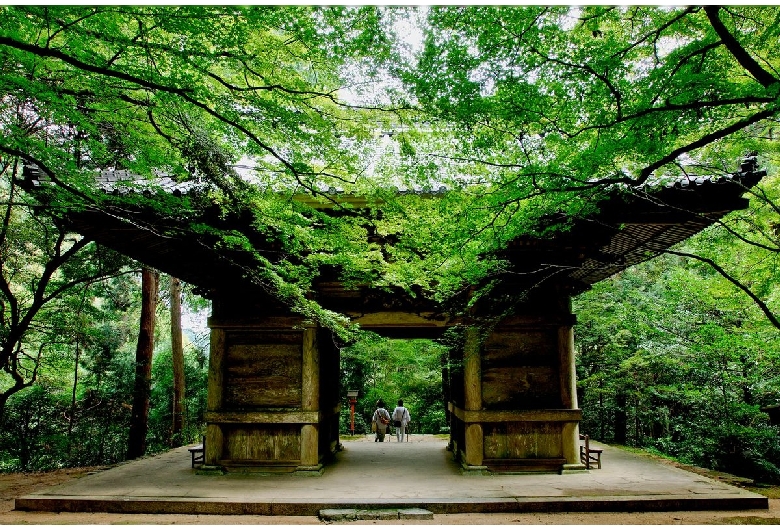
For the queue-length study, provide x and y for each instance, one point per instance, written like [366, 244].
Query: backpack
[398, 416]
[385, 421]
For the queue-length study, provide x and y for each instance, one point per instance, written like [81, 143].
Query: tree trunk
[177, 353]
[601, 409]
[139, 420]
[74, 390]
[621, 419]
[747, 392]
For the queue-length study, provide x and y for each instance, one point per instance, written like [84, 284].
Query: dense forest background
[676, 357]
[524, 114]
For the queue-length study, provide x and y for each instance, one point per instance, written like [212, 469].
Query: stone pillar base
[210, 470]
[569, 469]
[309, 471]
[474, 470]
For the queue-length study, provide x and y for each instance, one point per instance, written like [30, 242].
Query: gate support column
[310, 399]
[472, 379]
[570, 435]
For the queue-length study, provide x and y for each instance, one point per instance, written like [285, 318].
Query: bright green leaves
[247, 74]
[522, 112]
[190, 91]
[599, 88]
[544, 107]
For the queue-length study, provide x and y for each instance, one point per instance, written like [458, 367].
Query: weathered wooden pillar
[214, 440]
[310, 398]
[518, 411]
[266, 411]
[571, 430]
[472, 380]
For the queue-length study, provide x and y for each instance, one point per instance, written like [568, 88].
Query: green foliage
[101, 417]
[523, 112]
[189, 91]
[362, 426]
[161, 415]
[41, 430]
[31, 434]
[609, 92]
[48, 280]
[76, 410]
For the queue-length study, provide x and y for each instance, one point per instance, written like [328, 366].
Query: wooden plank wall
[262, 443]
[514, 440]
[520, 370]
[262, 369]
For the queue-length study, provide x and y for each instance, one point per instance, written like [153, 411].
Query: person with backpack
[382, 420]
[401, 419]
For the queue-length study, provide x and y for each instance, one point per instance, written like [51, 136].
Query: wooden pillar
[214, 441]
[472, 380]
[265, 404]
[570, 434]
[310, 391]
[567, 367]
[310, 399]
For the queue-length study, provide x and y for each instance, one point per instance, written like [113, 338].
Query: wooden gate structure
[274, 397]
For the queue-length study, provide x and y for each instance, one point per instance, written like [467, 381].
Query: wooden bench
[588, 455]
[198, 453]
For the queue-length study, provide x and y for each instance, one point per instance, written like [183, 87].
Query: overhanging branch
[760, 303]
[735, 48]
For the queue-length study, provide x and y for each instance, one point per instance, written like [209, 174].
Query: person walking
[401, 419]
[382, 420]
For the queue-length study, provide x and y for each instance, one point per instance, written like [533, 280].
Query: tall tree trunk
[621, 419]
[747, 392]
[601, 410]
[177, 352]
[139, 421]
[74, 390]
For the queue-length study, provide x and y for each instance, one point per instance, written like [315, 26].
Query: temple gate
[274, 397]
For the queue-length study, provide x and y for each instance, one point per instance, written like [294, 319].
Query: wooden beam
[293, 416]
[501, 416]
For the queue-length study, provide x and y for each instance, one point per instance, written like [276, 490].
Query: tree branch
[767, 312]
[184, 93]
[81, 65]
[704, 141]
[656, 32]
[671, 107]
[740, 54]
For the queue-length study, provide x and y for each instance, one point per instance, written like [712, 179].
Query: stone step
[385, 514]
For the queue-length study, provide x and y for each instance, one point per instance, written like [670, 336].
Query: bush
[361, 425]
[38, 433]
[33, 433]
[433, 421]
